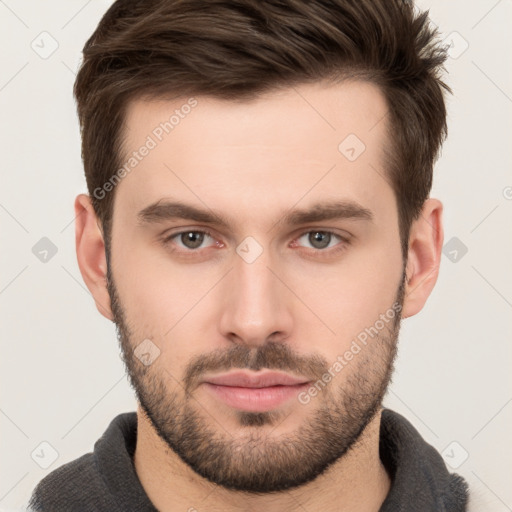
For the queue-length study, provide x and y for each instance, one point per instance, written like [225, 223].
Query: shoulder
[92, 481]
[76, 485]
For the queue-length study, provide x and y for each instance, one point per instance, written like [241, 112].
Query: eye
[190, 239]
[321, 240]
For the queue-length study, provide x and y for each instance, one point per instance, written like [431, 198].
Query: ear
[424, 256]
[90, 252]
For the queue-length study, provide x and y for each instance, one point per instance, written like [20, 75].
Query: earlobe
[424, 257]
[90, 251]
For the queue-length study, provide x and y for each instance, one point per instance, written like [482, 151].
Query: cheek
[166, 305]
[155, 289]
[351, 297]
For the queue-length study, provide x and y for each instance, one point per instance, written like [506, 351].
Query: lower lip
[255, 399]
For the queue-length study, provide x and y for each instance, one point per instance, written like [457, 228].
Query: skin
[253, 162]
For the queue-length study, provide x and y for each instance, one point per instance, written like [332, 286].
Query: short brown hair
[239, 49]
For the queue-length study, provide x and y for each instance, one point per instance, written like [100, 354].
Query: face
[259, 336]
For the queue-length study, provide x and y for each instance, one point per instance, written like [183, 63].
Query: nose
[256, 303]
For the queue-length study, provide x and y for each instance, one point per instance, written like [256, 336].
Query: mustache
[272, 356]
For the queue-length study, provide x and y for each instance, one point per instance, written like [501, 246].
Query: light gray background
[62, 380]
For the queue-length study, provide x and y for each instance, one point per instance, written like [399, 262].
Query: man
[258, 223]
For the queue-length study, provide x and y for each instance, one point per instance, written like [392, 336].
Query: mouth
[254, 392]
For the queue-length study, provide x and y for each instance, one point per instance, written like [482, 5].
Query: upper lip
[255, 380]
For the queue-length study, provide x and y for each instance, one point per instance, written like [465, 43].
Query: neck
[358, 482]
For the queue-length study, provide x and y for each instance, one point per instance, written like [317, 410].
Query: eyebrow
[165, 210]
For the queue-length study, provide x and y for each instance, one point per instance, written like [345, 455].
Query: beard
[254, 460]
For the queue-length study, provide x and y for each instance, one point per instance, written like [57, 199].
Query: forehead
[301, 141]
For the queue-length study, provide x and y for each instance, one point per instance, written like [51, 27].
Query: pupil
[193, 239]
[323, 238]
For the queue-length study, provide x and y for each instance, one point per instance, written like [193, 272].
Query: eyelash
[328, 251]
